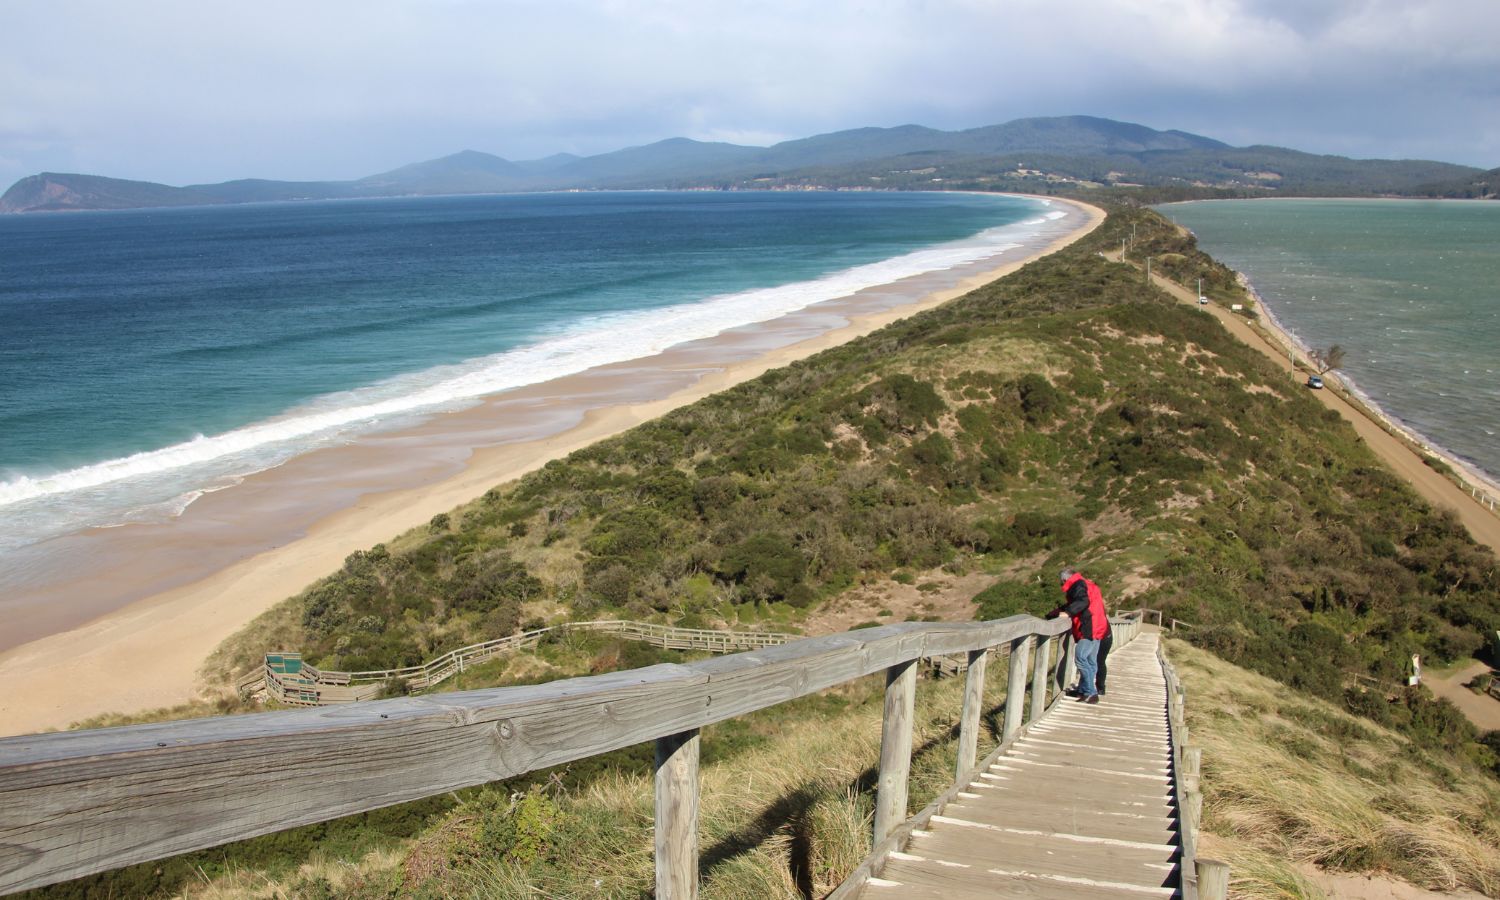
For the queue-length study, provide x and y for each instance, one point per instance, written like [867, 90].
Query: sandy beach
[171, 594]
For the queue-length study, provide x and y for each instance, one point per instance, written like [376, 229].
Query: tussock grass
[1288, 779]
[787, 808]
[789, 818]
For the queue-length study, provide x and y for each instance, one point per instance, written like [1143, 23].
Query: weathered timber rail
[287, 678]
[81, 802]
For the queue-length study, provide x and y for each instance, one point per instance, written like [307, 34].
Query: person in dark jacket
[1083, 602]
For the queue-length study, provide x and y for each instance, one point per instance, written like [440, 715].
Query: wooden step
[1144, 864]
[921, 879]
[1137, 763]
[1012, 789]
[1058, 743]
[1078, 816]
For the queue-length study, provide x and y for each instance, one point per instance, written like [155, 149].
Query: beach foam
[161, 483]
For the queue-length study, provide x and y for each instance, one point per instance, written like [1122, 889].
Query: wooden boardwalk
[1080, 806]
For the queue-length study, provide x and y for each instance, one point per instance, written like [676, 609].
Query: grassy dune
[1288, 778]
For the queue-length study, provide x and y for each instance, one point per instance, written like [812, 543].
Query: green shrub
[767, 565]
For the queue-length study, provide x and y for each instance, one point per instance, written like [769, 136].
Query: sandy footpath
[147, 655]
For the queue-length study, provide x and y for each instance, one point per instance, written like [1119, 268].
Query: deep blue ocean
[1410, 289]
[147, 356]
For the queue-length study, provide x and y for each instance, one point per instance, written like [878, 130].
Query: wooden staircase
[1082, 805]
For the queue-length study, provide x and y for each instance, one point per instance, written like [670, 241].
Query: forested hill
[1036, 155]
[1066, 414]
[1483, 186]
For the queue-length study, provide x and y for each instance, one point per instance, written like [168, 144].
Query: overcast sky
[202, 90]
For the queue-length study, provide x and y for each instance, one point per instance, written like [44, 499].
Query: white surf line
[1114, 773]
[1076, 838]
[1157, 891]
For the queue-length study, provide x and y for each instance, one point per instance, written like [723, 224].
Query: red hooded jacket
[1085, 606]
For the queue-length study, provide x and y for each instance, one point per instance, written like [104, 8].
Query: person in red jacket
[1084, 604]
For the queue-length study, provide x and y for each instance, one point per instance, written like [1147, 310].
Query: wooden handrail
[87, 801]
[81, 802]
[320, 687]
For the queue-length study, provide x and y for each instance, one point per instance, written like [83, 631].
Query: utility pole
[1132, 234]
[1148, 271]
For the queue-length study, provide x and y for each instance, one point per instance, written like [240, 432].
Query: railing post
[1015, 686]
[968, 727]
[1213, 879]
[677, 816]
[1192, 761]
[895, 747]
[1039, 668]
[1070, 663]
[1192, 814]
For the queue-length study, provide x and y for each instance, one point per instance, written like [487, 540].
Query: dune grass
[1291, 779]
[787, 812]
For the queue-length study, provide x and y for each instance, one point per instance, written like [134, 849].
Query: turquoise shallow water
[151, 355]
[1409, 289]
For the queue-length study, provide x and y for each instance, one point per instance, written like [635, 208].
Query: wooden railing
[307, 685]
[1207, 879]
[81, 802]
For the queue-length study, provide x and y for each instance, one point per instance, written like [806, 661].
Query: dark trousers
[1105, 644]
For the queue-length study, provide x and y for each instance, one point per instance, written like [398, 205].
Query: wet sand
[121, 619]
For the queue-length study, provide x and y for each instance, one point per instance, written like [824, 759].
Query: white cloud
[186, 91]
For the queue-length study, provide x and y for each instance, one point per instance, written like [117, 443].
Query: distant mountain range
[1037, 155]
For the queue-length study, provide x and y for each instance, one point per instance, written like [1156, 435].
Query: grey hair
[1065, 574]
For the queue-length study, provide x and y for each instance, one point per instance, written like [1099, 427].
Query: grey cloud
[203, 91]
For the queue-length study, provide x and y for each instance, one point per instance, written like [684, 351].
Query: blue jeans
[1086, 654]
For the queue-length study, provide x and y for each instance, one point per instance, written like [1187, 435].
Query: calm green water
[1410, 289]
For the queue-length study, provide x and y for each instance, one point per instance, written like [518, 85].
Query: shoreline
[164, 638]
[1385, 440]
[1472, 475]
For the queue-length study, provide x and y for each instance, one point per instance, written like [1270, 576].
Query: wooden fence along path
[80, 802]
[1081, 805]
[287, 678]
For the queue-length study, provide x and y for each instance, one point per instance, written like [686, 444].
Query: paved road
[1481, 709]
